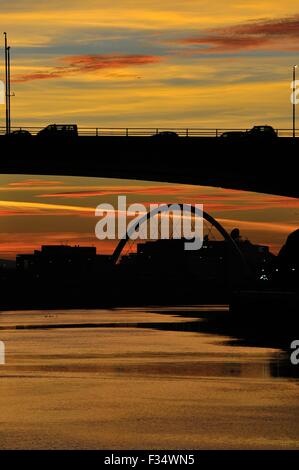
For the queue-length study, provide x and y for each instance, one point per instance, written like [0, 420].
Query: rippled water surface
[140, 378]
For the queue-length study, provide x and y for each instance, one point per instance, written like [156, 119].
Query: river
[145, 378]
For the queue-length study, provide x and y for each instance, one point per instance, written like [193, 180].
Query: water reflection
[142, 378]
[218, 351]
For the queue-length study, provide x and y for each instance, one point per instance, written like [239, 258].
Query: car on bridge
[233, 135]
[259, 132]
[166, 135]
[20, 134]
[59, 130]
[262, 131]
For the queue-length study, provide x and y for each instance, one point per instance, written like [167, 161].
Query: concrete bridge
[267, 166]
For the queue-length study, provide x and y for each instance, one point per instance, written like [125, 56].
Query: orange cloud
[138, 190]
[35, 182]
[244, 206]
[279, 34]
[89, 63]
[37, 208]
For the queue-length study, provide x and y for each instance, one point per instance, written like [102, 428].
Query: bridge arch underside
[265, 167]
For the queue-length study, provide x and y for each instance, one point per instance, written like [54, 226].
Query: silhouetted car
[21, 133]
[233, 134]
[262, 131]
[59, 130]
[166, 135]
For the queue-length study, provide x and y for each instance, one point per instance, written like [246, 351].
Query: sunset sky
[54, 210]
[152, 63]
[170, 63]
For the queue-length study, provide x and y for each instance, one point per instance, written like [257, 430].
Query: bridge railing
[149, 131]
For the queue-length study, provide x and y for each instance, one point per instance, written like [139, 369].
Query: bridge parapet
[148, 131]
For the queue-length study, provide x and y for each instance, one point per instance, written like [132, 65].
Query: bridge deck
[262, 166]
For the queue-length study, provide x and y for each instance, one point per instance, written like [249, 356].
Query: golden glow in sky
[139, 63]
[152, 63]
[53, 210]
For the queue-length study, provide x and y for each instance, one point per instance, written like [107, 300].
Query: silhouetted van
[59, 130]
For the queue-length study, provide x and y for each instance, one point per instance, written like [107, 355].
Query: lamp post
[6, 84]
[8, 88]
[294, 101]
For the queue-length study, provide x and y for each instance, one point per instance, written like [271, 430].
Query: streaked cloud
[25, 205]
[126, 63]
[88, 63]
[31, 183]
[278, 34]
[125, 190]
[49, 208]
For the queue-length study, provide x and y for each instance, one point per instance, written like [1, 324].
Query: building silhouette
[63, 262]
[214, 262]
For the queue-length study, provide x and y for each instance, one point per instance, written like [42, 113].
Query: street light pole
[294, 102]
[6, 84]
[8, 88]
